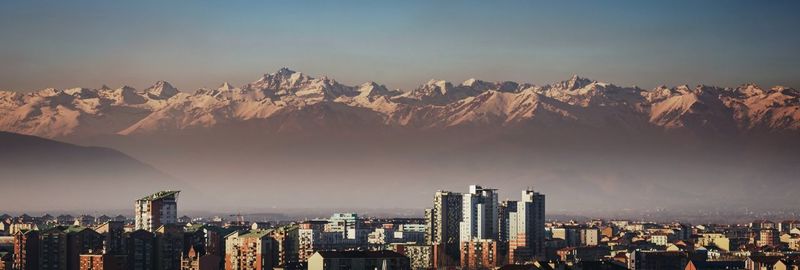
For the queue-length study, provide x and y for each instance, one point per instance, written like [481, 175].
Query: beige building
[714, 239]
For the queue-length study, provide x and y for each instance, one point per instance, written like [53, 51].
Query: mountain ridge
[285, 96]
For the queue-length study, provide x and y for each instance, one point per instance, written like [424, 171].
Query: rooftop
[160, 195]
[255, 233]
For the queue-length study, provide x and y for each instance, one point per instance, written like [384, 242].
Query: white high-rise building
[480, 218]
[157, 209]
[526, 236]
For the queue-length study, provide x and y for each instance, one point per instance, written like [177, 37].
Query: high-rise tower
[157, 209]
[443, 225]
[526, 239]
[480, 219]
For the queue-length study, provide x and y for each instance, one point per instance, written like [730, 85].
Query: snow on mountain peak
[371, 89]
[436, 103]
[577, 82]
[472, 82]
[284, 71]
[161, 90]
[226, 87]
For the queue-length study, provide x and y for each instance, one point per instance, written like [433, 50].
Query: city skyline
[492, 236]
[399, 135]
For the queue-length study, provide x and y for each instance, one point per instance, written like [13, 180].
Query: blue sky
[398, 43]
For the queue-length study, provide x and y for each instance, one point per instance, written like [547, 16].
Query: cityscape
[472, 229]
[399, 135]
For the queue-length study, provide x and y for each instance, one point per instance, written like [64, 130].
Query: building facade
[479, 254]
[157, 209]
[102, 262]
[444, 229]
[527, 235]
[249, 250]
[479, 218]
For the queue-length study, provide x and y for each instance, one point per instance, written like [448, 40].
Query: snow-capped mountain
[292, 101]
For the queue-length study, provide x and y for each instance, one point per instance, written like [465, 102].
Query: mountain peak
[226, 87]
[161, 90]
[576, 82]
[284, 71]
[573, 83]
[471, 82]
[126, 88]
[369, 89]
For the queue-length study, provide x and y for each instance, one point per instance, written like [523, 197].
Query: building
[346, 223]
[26, 250]
[194, 261]
[766, 237]
[141, 250]
[481, 254]
[285, 246]
[443, 226]
[157, 209]
[53, 252]
[102, 262]
[420, 256]
[570, 234]
[114, 234]
[590, 236]
[507, 209]
[659, 239]
[479, 219]
[526, 241]
[786, 226]
[717, 240]
[81, 240]
[358, 260]
[310, 238]
[658, 260]
[169, 247]
[249, 250]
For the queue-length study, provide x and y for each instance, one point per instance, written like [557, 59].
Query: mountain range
[289, 101]
[292, 140]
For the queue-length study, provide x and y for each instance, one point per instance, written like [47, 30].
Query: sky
[402, 44]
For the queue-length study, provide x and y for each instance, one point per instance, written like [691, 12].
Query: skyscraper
[480, 218]
[526, 238]
[157, 209]
[507, 212]
[443, 225]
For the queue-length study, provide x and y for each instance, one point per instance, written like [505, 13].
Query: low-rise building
[358, 260]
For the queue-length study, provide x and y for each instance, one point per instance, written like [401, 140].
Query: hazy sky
[401, 43]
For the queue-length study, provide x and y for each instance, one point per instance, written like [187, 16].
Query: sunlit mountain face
[287, 101]
[295, 141]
